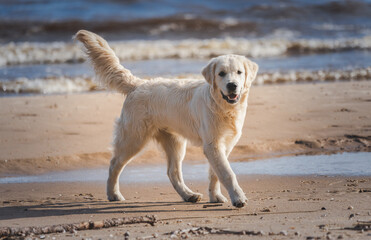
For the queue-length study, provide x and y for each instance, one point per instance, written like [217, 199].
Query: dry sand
[43, 133]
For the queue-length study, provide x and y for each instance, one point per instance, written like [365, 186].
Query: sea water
[292, 41]
[344, 164]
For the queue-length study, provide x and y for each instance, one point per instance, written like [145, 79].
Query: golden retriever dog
[207, 113]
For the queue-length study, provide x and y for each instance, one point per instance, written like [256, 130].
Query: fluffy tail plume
[106, 64]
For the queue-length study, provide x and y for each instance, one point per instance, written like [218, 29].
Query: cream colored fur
[173, 112]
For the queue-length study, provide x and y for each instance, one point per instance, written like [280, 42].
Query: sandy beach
[303, 159]
[40, 134]
[279, 208]
[61, 132]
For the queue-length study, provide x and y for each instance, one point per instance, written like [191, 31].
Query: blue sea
[292, 41]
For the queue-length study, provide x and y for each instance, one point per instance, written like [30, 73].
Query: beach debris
[345, 110]
[357, 137]
[361, 226]
[364, 190]
[283, 233]
[265, 210]
[313, 238]
[322, 226]
[113, 222]
[155, 235]
[309, 144]
[212, 205]
[126, 235]
[329, 236]
[87, 196]
[201, 231]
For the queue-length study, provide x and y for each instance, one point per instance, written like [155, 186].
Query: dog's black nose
[231, 86]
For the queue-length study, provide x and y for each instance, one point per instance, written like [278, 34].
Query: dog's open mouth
[231, 98]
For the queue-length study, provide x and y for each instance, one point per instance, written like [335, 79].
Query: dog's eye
[239, 72]
[222, 74]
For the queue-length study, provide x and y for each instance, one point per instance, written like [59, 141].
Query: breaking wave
[48, 85]
[60, 52]
[86, 84]
[314, 76]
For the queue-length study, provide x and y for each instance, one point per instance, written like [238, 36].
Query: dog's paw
[240, 203]
[218, 198]
[196, 197]
[115, 197]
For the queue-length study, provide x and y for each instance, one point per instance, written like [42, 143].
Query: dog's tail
[106, 64]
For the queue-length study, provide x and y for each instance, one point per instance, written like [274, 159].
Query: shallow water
[78, 77]
[176, 38]
[174, 67]
[345, 164]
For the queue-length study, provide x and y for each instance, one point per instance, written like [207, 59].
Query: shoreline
[64, 132]
[37, 166]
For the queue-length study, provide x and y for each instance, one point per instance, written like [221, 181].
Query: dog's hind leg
[175, 148]
[215, 194]
[127, 144]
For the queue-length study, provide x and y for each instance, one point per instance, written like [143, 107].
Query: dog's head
[230, 76]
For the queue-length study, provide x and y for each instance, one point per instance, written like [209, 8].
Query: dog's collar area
[234, 99]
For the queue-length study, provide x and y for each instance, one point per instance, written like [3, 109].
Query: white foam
[27, 53]
[333, 27]
[84, 84]
[48, 85]
[59, 52]
[313, 76]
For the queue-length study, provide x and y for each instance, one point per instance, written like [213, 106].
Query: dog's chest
[233, 120]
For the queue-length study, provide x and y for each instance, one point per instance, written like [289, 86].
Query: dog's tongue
[232, 96]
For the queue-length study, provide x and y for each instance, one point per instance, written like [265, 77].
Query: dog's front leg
[219, 163]
[215, 194]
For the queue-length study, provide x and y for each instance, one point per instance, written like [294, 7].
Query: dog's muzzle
[232, 98]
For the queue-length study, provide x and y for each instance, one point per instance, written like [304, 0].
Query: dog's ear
[209, 71]
[251, 69]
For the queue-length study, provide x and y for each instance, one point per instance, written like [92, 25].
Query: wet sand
[60, 132]
[278, 208]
